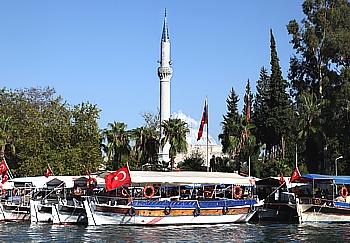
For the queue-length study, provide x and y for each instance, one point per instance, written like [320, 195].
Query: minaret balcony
[164, 72]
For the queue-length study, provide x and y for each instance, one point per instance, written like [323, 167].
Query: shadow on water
[251, 232]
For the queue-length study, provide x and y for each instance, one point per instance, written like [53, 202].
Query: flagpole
[8, 168]
[50, 169]
[296, 156]
[208, 162]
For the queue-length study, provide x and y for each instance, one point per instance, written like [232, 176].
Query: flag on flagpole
[118, 178]
[5, 177]
[88, 173]
[247, 110]
[48, 171]
[295, 175]
[282, 180]
[3, 167]
[204, 120]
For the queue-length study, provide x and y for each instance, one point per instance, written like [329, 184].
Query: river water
[251, 232]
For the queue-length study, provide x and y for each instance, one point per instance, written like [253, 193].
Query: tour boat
[15, 201]
[176, 198]
[319, 201]
[279, 200]
[70, 210]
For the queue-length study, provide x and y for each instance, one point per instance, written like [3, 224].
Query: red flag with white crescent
[48, 171]
[5, 177]
[118, 178]
[203, 121]
[295, 175]
[3, 167]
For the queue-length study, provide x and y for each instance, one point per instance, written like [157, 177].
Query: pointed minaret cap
[165, 34]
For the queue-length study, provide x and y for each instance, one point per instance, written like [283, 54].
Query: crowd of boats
[174, 198]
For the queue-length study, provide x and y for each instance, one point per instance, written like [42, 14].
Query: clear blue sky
[106, 52]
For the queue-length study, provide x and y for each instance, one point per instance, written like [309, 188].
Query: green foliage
[193, 162]
[117, 143]
[319, 80]
[175, 131]
[49, 131]
[146, 145]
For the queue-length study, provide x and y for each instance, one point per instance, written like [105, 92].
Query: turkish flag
[203, 121]
[5, 177]
[118, 178]
[282, 180]
[295, 175]
[3, 167]
[48, 172]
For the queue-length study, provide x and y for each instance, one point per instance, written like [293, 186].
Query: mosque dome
[193, 126]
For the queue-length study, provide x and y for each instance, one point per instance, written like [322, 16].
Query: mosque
[165, 73]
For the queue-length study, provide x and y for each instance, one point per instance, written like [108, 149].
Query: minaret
[165, 72]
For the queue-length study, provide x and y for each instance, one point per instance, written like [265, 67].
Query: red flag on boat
[282, 180]
[48, 171]
[295, 175]
[3, 166]
[118, 178]
[5, 177]
[88, 173]
[203, 121]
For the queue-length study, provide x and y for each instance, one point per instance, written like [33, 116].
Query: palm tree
[7, 130]
[118, 143]
[310, 108]
[175, 131]
[146, 144]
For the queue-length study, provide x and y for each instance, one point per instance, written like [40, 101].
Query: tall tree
[146, 144]
[322, 56]
[7, 134]
[280, 120]
[260, 107]
[118, 141]
[233, 130]
[175, 131]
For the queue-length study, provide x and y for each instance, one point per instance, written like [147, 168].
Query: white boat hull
[111, 217]
[75, 216]
[323, 213]
[9, 212]
[40, 213]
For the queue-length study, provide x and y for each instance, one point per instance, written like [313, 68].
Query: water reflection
[254, 232]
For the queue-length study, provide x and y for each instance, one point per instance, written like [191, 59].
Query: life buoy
[124, 192]
[296, 190]
[148, 191]
[91, 183]
[237, 191]
[197, 212]
[317, 201]
[224, 210]
[131, 211]
[15, 192]
[344, 192]
[208, 191]
[167, 210]
[78, 191]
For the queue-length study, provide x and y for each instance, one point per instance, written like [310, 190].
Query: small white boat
[15, 203]
[144, 212]
[279, 201]
[159, 203]
[69, 214]
[319, 200]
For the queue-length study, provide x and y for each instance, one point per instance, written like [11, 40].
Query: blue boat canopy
[336, 179]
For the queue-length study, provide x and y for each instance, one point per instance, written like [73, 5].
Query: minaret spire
[165, 35]
[165, 72]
